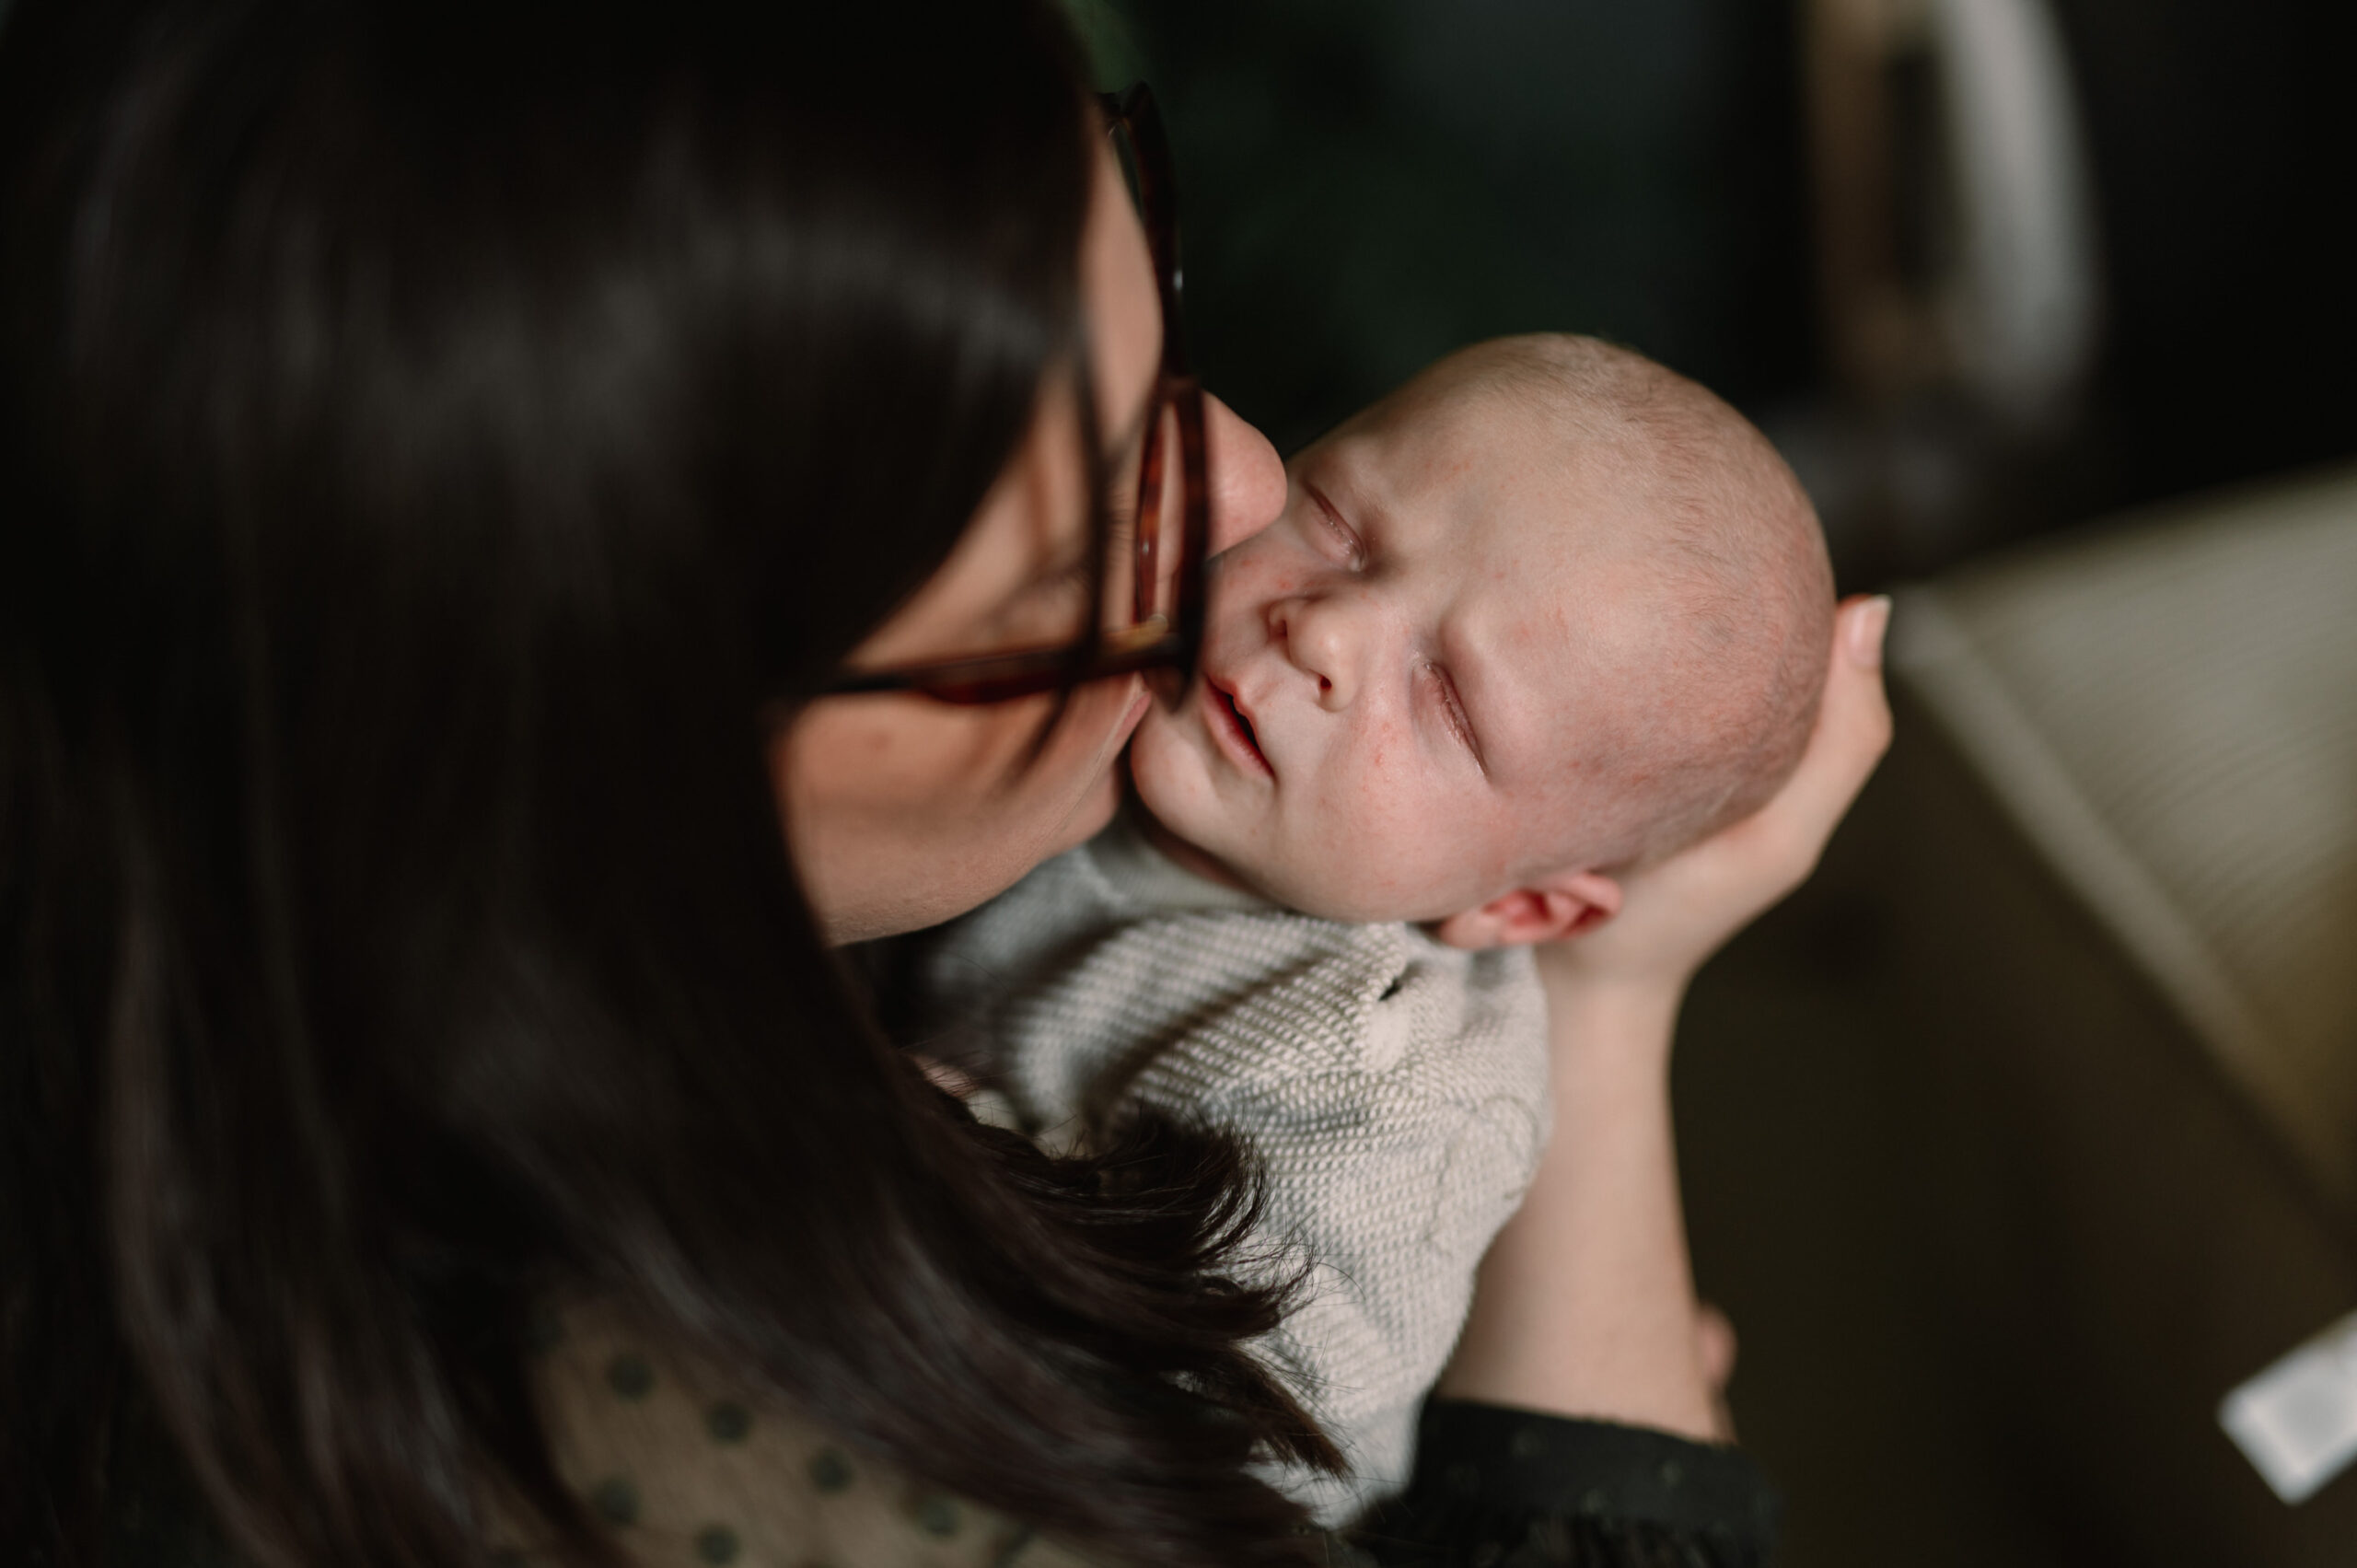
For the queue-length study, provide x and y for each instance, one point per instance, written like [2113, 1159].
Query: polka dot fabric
[686, 1472]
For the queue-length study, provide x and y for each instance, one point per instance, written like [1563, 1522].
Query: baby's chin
[1172, 780]
[1208, 844]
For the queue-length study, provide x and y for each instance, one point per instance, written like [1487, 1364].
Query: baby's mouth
[1234, 730]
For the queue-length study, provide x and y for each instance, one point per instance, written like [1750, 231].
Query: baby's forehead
[1542, 501]
[1484, 424]
[1471, 401]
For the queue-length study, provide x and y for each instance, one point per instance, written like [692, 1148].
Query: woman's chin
[1090, 815]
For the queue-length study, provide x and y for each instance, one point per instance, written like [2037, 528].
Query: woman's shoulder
[684, 1469]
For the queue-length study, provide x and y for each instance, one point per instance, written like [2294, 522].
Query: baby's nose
[1320, 639]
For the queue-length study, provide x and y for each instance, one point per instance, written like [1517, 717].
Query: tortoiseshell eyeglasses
[1155, 593]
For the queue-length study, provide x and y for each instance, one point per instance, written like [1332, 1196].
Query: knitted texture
[1395, 1090]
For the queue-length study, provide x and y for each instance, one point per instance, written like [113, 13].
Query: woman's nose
[1320, 638]
[1247, 482]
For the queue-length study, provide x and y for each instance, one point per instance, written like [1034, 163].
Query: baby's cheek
[1368, 850]
[1169, 778]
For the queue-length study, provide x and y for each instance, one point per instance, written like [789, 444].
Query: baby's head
[1544, 614]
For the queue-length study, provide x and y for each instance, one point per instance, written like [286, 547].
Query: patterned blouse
[684, 1473]
[688, 1475]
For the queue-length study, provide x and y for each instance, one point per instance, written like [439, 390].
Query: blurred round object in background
[1956, 235]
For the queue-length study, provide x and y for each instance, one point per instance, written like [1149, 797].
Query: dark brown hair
[429, 436]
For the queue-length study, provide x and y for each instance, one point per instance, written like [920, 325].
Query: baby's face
[1409, 675]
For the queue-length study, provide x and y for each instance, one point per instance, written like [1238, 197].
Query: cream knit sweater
[1394, 1088]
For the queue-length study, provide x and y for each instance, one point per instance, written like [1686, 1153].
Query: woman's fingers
[1676, 913]
[1852, 725]
[1715, 1349]
[1714, 1345]
[1853, 731]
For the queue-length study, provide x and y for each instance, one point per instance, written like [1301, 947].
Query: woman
[448, 458]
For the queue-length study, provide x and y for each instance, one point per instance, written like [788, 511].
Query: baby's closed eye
[1338, 536]
[1437, 688]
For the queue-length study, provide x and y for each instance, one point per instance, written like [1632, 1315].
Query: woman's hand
[1676, 913]
[1585, 1305]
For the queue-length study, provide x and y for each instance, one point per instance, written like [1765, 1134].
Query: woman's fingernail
[1867, 624]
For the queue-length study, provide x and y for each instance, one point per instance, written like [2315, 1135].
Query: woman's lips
[1233, 730]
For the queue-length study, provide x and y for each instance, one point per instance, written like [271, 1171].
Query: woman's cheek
[1077, 777]
[1090, 817]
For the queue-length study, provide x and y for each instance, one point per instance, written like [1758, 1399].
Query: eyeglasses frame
[1154, 644]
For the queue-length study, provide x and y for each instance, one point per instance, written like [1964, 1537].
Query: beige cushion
[2167, 709]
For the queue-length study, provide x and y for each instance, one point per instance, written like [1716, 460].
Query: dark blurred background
[1369, 184]
[1992, 274]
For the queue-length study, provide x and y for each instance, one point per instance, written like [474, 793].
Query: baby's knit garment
[1394, 1088]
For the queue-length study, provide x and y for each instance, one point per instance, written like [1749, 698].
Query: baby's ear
[1561, 907]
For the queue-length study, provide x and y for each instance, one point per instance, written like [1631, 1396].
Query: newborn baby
[1543, 615]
